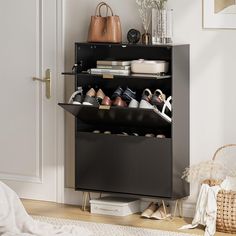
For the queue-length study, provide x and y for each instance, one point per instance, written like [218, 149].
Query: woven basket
[226, 206]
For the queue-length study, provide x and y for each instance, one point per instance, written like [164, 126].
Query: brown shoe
[100, 95]
[91, 93]
[90, 99]
[106, 101]
[150, 210]
[118, 102]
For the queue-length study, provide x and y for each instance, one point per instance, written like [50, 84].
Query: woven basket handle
[221, 148]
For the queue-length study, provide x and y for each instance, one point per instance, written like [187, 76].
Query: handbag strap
[98, 9]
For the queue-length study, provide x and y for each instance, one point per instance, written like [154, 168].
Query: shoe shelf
[117, 115]
[130, 81]
[106, 76]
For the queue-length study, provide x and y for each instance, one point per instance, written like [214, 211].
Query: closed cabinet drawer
[119, 164]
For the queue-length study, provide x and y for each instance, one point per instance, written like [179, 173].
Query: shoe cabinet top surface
[129, 45]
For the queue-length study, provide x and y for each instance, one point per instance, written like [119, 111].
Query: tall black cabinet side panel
[131, 165]
[180, 118]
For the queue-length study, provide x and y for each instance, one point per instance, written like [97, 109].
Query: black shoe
[119, 91]
[128, 95]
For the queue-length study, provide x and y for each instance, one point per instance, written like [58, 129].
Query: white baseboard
[73, 197]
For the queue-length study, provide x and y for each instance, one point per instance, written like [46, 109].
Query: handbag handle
[98, 9]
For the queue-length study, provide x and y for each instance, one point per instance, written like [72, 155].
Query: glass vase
[162, 26]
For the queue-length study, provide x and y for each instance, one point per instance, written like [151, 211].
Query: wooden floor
[74, 213]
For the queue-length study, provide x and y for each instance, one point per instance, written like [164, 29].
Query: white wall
[213, 69]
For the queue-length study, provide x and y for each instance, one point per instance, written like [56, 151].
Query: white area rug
[99, 229]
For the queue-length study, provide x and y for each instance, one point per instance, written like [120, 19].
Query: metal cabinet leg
[179, 206]
[164, 207]
[85, 199]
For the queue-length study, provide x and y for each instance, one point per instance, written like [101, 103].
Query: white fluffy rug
[99, 229]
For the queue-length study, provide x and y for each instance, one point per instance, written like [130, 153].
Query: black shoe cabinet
[136, 165]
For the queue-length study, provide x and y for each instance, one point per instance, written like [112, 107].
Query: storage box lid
[117, 201]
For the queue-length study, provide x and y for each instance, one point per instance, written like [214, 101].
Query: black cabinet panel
[135, 165]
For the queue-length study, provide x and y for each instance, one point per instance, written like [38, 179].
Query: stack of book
[112, 68]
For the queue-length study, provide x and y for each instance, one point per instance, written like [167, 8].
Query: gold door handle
[47, 80]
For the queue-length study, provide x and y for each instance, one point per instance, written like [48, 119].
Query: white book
[114, 63]
[113, 67]
[109, 71]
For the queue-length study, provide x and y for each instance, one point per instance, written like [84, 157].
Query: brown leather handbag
[105, 29]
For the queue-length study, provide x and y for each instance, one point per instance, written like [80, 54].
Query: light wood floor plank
[56, 210]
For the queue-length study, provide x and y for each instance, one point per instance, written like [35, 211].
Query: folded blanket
[206, 210]
[14, 220]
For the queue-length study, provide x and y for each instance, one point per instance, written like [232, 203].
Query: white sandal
[167, 105]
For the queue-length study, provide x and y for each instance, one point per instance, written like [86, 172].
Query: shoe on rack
[100, 96]
[107, 132]
[134, 103]
[148, 212]
[128, 95]
[166, 110]
[91, 93]
[161, 136]
[158, 99]
[96, 132]
[147, 95]
[161, 213]
[77, 97]
[106, 101]
[118, 102]
[123, 134]
[118, 93]
[145, 105]
[90, 98]
[149, 135]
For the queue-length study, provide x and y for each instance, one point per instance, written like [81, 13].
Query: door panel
[28, 131]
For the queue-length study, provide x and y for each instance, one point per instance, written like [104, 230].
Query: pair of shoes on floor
[92, 97]
[156, 211]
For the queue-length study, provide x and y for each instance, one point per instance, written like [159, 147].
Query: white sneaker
[134, 103]
[145, 105]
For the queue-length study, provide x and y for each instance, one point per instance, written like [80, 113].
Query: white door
[28, 119]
